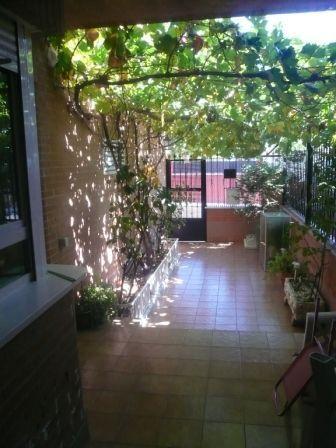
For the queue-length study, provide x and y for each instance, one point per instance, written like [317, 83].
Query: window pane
[9, 206]
[13, 263]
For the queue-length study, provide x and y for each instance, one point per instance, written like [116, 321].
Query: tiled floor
[201, 374]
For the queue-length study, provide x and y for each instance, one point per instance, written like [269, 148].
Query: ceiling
[54, 16]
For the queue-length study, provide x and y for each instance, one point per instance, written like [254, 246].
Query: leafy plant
[208, 86]
[282, 263]
[142, 213]
[295, 257]
[260, 188]
[96, 303]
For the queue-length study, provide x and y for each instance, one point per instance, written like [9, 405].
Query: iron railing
[305, 191]
[222, 177]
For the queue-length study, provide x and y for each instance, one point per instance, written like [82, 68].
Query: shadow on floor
[201, 373]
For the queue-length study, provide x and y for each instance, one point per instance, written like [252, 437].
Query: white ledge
[25, 304]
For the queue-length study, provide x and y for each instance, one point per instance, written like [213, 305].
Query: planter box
[298, 301]
[143, 302]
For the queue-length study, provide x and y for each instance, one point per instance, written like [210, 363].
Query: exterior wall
[328, 287]
[76, 193]
[40, 390]
[225, 225]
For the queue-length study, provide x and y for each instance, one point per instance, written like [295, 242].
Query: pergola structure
[55, 16]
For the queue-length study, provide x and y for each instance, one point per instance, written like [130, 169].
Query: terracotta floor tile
[189, 378]
[222, 409]
[177, 385]
[225, 338]
[199, 325]
[211, 312]
[113, 381]
[282, 356]
[224, 369]
[217, 435]
[253, 339]
[224, 387]
[104, 427]
[258, 371]
[138, 430]
[270, 436]
[246, 326]
[194, 352]
[146, 405]
[229, 354]
[255, 355]
[180, 433]
[282, 341]
[103, 401]
[226, 327]
[198, 337]
[261, 413]
[226, 320]
[184, 367]
[257, 389]
[185, 407]
[100, 362]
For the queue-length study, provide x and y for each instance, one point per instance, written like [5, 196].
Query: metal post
[168, 173]
[203, 195]
[309, 183]
[285, 187]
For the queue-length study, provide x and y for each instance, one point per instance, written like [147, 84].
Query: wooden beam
[55, 16]
[91, 13]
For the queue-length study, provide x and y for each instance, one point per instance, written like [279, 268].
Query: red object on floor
[296, 377]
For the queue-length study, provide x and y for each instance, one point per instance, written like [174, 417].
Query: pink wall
[216, 185]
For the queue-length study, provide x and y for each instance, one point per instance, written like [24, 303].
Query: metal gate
[187, 178]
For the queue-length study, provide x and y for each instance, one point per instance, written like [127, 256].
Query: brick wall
[225, 225]
[328, 287]
[76, 193]
[40, 391]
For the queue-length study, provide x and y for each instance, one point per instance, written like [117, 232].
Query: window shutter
[8, 45]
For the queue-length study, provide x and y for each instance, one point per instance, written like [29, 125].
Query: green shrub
[260, 188]
[282, 262]
[96, 304]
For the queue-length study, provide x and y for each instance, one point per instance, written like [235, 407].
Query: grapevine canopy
[208, 87]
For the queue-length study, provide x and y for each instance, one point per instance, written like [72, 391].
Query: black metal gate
[188, 179]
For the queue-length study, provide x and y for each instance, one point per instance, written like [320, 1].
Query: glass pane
[9, 206]
[13, 263]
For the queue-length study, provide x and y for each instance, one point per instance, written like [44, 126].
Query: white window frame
[109, 166]
[15, 232]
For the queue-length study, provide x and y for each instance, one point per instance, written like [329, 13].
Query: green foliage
[323, 203]
[96, 303]
[143, 213]
[260, 188]
[294, 260]
[6, 147]
[282, 263]
[264, 88]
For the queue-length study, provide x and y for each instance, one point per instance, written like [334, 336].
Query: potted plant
[260, 189]
[282, 263]
[95, 305]
[300, 287]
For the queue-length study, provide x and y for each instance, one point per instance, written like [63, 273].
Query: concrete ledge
[26, 303]
[156, 282]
